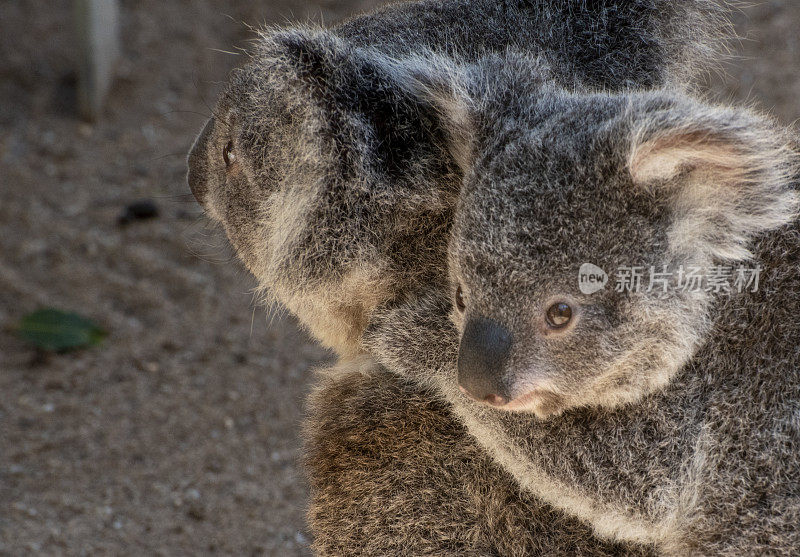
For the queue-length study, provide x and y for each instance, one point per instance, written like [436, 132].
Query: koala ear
[728, 175]
[374, 118]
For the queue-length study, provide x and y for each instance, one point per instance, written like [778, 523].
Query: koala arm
[392, 472]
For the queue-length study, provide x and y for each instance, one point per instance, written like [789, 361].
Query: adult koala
[330, 165]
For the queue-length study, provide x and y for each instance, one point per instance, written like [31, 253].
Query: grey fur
[393, 472]
[677, 415]
[349, 156]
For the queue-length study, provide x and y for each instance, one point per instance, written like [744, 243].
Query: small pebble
[139, 210]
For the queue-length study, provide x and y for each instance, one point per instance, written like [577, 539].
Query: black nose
[484, 348]
[198, 165]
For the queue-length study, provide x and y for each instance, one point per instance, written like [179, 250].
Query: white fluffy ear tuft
[729, 175]
[664, 156]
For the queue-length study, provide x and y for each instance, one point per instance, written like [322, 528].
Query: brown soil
[178, 435]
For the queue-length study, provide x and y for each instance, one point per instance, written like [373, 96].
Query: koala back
[596, 45]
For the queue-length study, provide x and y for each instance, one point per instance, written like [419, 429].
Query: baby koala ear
[728, 175]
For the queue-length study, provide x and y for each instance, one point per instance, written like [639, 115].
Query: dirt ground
[178, 435]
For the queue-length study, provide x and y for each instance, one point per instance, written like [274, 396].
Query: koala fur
[341, 191]
[393, 472]
[334, 166]
[676, 414]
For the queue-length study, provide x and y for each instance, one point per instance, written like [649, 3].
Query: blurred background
[178, 434]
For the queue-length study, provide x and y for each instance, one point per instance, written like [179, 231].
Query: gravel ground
[178, 435]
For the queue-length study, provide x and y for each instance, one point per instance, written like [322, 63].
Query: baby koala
[329, 169]
[665, 413]
[653, 182]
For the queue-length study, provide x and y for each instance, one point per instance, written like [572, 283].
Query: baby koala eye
[558, 315]
[460, 305]
[228, 155]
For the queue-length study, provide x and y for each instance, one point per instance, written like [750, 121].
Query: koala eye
[558, 315]
[460, 305]
[228, 155]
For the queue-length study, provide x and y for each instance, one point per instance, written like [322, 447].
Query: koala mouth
[539, 401]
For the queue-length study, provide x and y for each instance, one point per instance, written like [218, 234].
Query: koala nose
[484, 348]
[197, 176]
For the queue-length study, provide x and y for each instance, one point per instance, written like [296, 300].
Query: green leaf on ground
[59, 331]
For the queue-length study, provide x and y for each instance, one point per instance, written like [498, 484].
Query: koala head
[329, 177]
[555, 180]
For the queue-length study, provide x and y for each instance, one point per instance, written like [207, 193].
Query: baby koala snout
[484, 349]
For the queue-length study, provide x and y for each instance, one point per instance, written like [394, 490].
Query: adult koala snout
[484, 349]
[198, 163]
